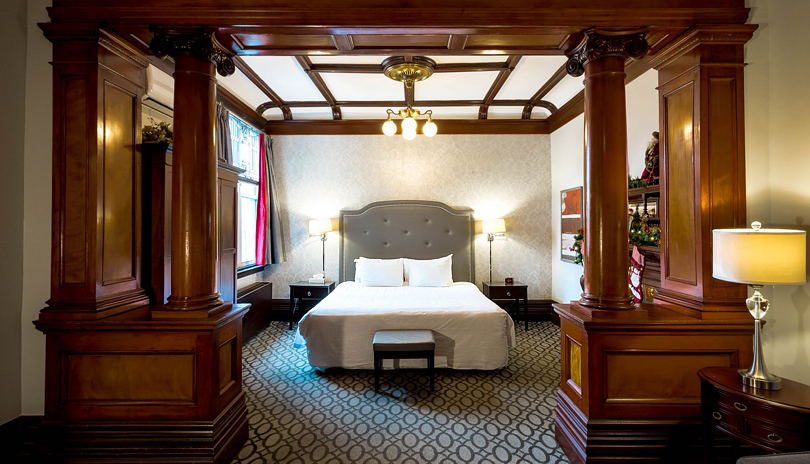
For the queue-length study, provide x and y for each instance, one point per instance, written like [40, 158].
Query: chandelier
[409, 72]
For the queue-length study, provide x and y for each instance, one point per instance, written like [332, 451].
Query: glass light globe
[409, 134]
[389, 128]
[430, 129]
[409, 124]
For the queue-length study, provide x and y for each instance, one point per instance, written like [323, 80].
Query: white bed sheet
[471, 331]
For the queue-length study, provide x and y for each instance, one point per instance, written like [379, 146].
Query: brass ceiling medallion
[409, 72]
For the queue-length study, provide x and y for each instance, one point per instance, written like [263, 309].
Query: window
[245, 148]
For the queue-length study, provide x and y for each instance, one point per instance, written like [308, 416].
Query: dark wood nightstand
[304, 290]
[776, 421]
[514, 291]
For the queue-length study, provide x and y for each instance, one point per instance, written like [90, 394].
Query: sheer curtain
[223, 136]
[269, 230]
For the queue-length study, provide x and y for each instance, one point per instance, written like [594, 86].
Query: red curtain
[261, 210]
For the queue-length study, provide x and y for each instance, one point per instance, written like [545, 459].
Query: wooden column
[701, 89]
[601, 57]
[98, 81]
[194, 177]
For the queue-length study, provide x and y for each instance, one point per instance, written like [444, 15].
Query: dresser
[776, 421]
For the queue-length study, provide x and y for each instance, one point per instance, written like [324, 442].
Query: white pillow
[406, 264]
[380, 272]
[431, 273]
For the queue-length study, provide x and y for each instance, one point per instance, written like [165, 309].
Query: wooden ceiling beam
[238, 107]
[555, 79]
[390, 103]
[457, 41]
[377, 68]
[306, 65]
[373, 127]
[262, 85]
[499, 81]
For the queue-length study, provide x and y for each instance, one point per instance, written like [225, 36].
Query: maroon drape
[261, 210]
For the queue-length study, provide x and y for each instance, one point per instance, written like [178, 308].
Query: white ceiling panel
[363, 87]
[348, 59]
[505, 112]
[239, 85]
[274, 114]
[529, 75]
[565, 90]
[444, 59]
[455, 86]
[312, 113]
[365, 113]
[284, 75]
[451, 112]
[540, 113]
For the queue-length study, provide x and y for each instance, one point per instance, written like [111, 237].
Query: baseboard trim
[19, 439]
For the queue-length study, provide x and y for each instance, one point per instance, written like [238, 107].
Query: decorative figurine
[651, 161]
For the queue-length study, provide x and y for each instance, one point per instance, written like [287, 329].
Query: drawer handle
[775, 438]
[309, 293]
[508, 293]
[717, 415]
[741, 407]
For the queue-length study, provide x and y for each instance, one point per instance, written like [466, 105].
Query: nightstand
[514, 291]
[776, 421]
[306, 291]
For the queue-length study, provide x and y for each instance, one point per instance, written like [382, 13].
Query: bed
[471, 331]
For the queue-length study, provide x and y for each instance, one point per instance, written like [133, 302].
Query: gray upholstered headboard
[408, 229]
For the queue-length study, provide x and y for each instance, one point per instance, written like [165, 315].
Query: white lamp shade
[760, 257]
[493, 226]
[320, 226]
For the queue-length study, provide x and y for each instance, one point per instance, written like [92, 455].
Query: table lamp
[493, 228]
[758, 257]
[321, 227]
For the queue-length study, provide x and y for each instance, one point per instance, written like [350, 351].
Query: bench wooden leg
[377, 369]
[431, 363]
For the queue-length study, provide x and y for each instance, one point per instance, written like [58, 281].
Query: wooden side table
[514, 291]
[776, 421]
[304, 290]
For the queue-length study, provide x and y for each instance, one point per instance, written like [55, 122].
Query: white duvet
[471, 331]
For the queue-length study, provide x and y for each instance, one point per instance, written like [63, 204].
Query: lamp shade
[493, 226]
[760, 256]
[320, 226]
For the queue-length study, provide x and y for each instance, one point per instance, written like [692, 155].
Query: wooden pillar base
[629, 387]
[139, 389]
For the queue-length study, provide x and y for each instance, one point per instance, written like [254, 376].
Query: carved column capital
[200, 44]
[599, 44]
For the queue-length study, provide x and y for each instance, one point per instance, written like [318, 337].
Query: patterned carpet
[298, 414]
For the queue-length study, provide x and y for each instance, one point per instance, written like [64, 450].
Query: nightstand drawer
[724, 418]
[775, 437]
[506, 293]
[309, 292]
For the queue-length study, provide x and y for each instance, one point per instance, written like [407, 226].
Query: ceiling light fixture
[409, 72]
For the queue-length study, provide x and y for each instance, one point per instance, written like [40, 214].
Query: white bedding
[471, 331]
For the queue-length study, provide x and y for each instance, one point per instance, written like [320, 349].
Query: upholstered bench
[403, 344]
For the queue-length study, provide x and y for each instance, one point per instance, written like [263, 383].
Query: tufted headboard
[408, 229]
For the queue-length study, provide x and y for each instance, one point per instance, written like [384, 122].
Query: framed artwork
[571, 220]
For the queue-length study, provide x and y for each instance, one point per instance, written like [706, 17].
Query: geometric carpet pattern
[298, 414]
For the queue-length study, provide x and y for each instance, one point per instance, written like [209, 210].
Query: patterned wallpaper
[505, 176]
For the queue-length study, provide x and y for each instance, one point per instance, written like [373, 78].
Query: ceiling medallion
[409, 72]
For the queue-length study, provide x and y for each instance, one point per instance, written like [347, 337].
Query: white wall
[567, 158]
[496, 175]
[778, 163]
[642, 119]
[13, 27]
[37, 201]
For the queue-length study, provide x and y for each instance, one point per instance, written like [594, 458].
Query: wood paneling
[96, 226]
[228, 220]
[97, 378]
[374, 127]
[703, 169]
[260, 297]
[627, 375]
[120, 173]
[515, 42]
[680, 170]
